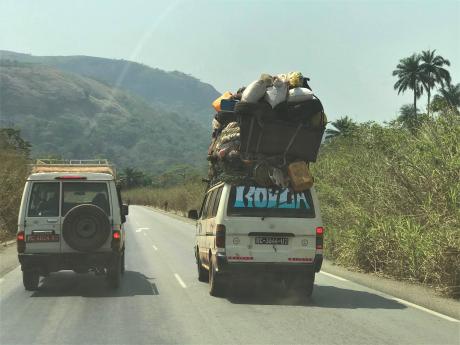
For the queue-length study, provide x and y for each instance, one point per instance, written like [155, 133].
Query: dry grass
[13, 173]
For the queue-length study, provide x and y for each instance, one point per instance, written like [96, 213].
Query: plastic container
[301, 178]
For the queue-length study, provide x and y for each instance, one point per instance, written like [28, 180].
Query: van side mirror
[193, 214]
[124, 210]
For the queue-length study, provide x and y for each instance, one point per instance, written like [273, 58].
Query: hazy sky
[347, 48]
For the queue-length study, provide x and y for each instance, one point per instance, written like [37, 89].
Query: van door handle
[52, 220]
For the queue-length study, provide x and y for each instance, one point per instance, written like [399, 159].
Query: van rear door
[42, 226]
[270, 225]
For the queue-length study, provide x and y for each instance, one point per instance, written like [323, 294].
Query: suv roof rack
[74, 165]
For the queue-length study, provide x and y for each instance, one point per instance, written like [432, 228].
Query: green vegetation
[75, 117]
[14, 152]
[391, 200]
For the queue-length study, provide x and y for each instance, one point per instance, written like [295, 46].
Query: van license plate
[42, 238]
[272, 240]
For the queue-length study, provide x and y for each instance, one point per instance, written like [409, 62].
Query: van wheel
[216, 283]
[30, 279]
[203, 275]
[114, 273]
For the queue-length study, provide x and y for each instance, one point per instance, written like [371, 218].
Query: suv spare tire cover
[86, 227]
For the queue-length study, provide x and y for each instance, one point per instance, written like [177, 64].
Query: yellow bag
[216, 103]
[301, 178]
[295, 79]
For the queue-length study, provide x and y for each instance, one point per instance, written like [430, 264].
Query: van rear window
[251, 201]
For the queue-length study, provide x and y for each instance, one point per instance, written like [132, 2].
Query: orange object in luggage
[216, 103]
[301, 178]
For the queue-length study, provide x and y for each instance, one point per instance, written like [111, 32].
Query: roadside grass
[179, 198]
[13, 173]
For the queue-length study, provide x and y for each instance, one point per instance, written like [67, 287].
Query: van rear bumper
[226, 267]
[47, 263]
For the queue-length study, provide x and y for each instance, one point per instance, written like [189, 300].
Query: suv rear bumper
[229, 268]
[47, 263]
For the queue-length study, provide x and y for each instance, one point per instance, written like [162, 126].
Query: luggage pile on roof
[267, 133]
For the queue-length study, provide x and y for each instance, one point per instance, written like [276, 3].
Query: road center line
[409, 304]
[154, 247]
[334, 276]
[181, 282]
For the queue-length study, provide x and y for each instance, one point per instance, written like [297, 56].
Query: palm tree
[343, 126]
[450, 96]
[434, 73]
[410, 76]
[408, 116]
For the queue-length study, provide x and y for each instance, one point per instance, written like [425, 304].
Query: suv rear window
[44, 200]
[77, 193]
[251, 201]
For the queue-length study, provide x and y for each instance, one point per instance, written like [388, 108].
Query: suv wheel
[30, 279]
[114, 272]
[203, 275]
[216, 283]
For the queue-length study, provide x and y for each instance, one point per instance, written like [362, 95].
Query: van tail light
[220, 236]
[21, 241]
[319, 237]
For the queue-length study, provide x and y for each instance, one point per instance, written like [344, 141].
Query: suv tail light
[319, 237]
[220, 236]
[21, 241]
[116, 240]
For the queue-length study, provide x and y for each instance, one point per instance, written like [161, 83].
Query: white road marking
[154, 247]
[409, 304]
[142, 229]
[334, 276]
[181, 282]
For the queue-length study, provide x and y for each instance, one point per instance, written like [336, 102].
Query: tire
[86, 228]
[203, 275]
[30, 279]
[114, 272]
[216, 283]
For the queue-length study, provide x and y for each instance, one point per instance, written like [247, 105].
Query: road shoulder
[8, 258]
[411, 292]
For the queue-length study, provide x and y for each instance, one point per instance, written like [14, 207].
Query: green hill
[66, 114]
[171, 91]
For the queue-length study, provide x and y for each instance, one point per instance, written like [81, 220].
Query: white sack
[254, 92]
[277, 93]
[299, 94]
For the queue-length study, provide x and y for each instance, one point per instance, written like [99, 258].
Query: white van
[248, 230]
[71, 218]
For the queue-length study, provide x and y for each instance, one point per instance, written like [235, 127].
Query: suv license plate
[272, 240]
[42, 238]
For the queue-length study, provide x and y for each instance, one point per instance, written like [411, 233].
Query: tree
[410, 76]
[343, 126]
[408, 117]
[433, 72]
[448, 96]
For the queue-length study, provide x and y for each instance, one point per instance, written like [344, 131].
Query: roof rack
[73, 165]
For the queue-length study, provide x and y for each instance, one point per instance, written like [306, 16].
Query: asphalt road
[162, 302]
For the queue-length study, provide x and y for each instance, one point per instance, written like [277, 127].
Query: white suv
[71, 219]
[245, 230]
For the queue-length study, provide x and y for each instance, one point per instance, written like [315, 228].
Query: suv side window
[44, 200]
[216, 202]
